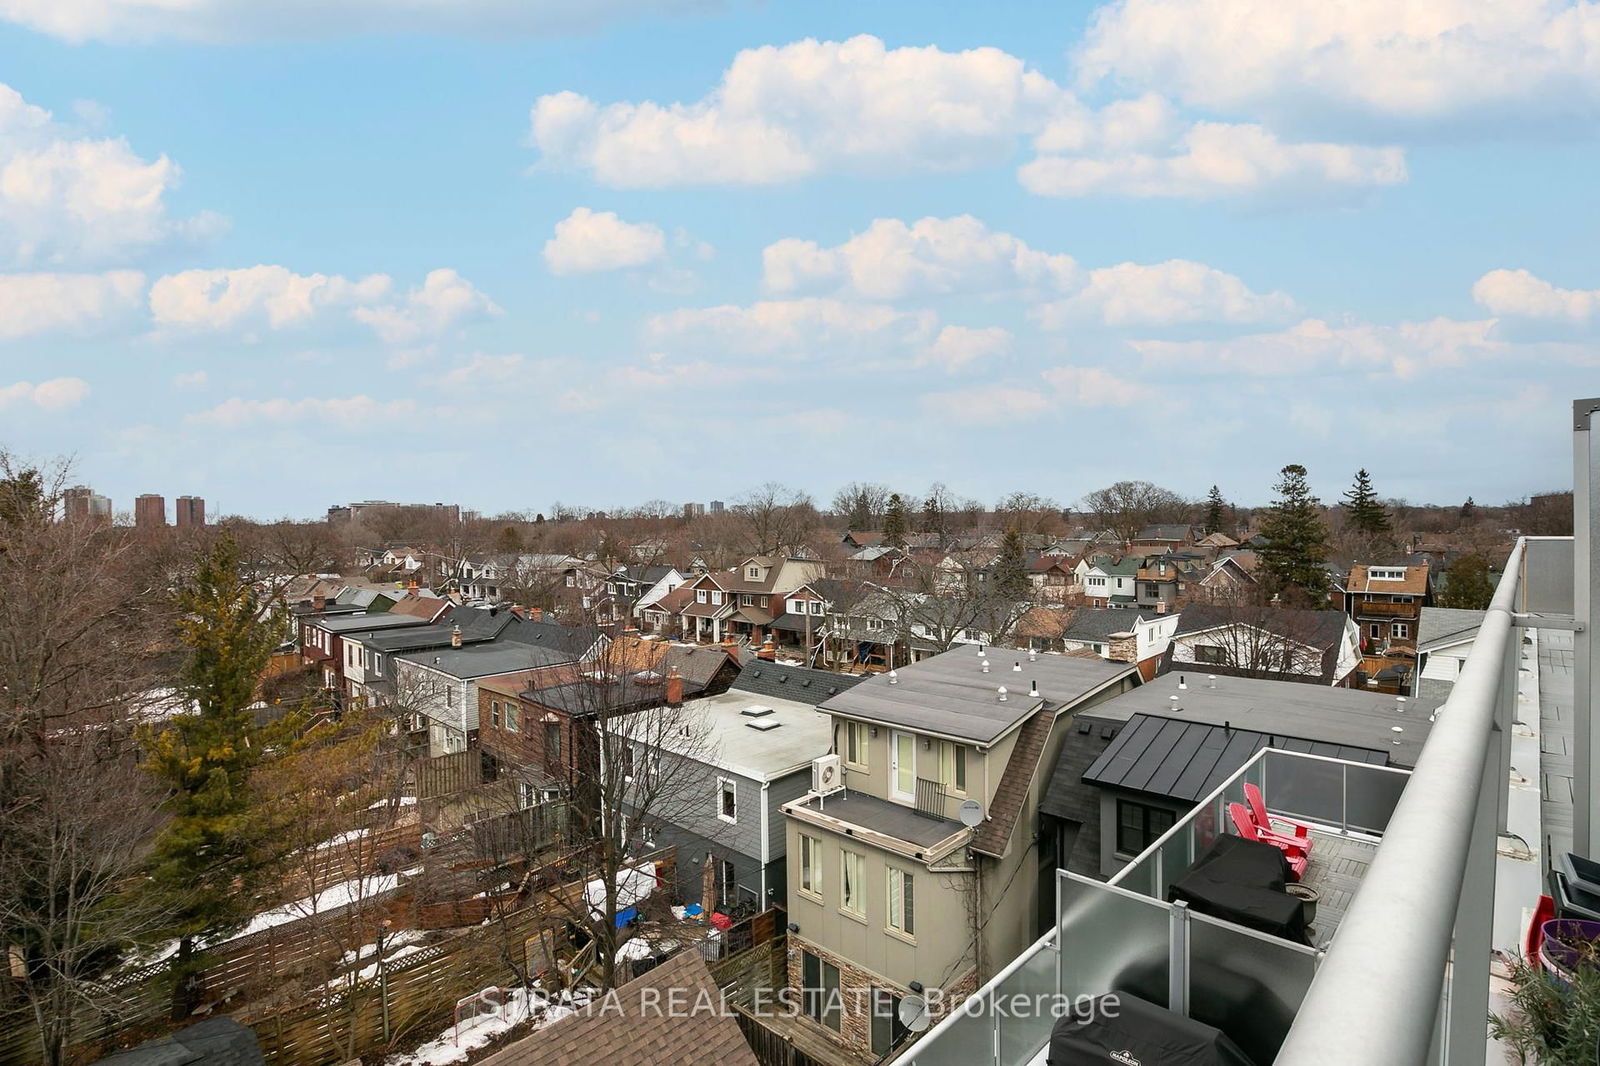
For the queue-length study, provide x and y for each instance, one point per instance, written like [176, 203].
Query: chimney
[412, 587]
[319, 602]
[455, 636]
[674, 688]
[536, 614]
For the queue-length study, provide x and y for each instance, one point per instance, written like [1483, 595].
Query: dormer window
[700, 596]
[753, 573]
[1387, 573]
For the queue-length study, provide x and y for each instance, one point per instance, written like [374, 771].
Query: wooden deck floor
[1338, 864]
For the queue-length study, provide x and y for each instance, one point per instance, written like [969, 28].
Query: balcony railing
[1384, 609]
[930, 798]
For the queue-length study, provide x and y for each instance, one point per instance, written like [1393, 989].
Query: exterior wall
[940, 909]
[1110, 860]
[694, 850]
[875, 779]
[1444, 664]
[450, 703]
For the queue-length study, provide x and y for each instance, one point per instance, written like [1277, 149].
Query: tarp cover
[1124, 1030]
[1242, 881]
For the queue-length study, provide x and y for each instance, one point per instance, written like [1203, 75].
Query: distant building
[356, 511]
[191, 511]
[83, 503]
[693, 510]
[717, 507]
[150, 511]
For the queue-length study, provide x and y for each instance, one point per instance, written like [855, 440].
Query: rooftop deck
[1338, 863]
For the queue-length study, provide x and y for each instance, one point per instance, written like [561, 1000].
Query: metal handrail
[1376, 996]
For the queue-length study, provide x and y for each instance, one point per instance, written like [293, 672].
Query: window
[811, 865]
[797, 606]
[1096, 582]
[855, 743]
[819, 990]
[1379, 573]
[817, 606]
[953, 765]
[747, 600]
[753, 573]
[530, 795]
[1138, 825]
[852, 878]
[572, 581]
[727, 882]
[727, 800]
[1400, 631]
[552, 741]
[700, 596]
[716, 597]
[449, 697]
[512, 717]
[1152, 592]
[887, 1030]
[494, 713]
[765, 600]
[647, 834]
[1401, 599]
[1210, 653]
[901, 911]
[1376, 631]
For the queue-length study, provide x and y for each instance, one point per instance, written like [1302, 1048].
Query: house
[1161, 583]
[637, 1024]
[875, 632]
[1121, 636]
[322, 640]
[1316, 647]
[800, 627]
[438, 689]
[665, 613]
[1160, 539]
[1230, 579]
[1444, 640]
[765, 731]
[883, 872]
[1387, 601]
[1109, 582]
[1053, 577]
[1137, 763]
[644, 586]
[369, 672]
[1216, 542]
[744, 600]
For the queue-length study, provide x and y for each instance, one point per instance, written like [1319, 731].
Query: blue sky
[287, 255]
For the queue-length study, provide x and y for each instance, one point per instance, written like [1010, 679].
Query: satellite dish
[913, 1013]
[971, 813]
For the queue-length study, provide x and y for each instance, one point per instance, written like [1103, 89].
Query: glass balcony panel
[1025, 1009]
[1111, 941]
[1248, 985]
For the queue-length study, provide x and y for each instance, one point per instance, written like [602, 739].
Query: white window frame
[852, 884]
[899, 918]
[811, 866]
[857, 735]
[727, 786]
[1400, 630]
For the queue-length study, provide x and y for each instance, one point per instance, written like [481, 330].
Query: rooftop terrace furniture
[1121, 1027]
[1242, 881]
[1264, 821]
[1292, 848]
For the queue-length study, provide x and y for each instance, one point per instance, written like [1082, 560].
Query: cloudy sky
[492, 251]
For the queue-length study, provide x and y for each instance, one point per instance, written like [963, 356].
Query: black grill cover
[1140, 1034]
[1242, 881]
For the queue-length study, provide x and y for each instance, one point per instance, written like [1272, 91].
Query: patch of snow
[403, 801]
[453, 1046]
[636, 948]
[330, 898]
[633, 885]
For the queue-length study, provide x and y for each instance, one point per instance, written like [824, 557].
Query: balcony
[1385, 609]
[1417, 896]
[1123, 935]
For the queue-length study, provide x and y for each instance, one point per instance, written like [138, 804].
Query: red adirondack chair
[1264, 822]
[1247, 829]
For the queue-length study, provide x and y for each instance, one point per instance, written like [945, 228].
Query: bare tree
[775, 517]
[1127, 507]
[1260, 639]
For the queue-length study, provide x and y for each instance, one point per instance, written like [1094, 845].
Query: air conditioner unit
[827, 776]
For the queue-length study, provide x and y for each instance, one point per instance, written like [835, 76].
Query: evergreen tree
[932, 516]
[1469, 510]
[1297, 540]
[1011, 568]
[208, 859]
[1467, 584]
[860, 516]
[1214, 506]
[894, 522]
[22, 497]
[1361, 506]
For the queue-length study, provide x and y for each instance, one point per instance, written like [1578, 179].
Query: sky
[511, 252]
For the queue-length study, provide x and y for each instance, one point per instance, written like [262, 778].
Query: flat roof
[360, 623]
[881, 816]
[802, 734]
[950, 694]
[1343, 716]
[482, 660]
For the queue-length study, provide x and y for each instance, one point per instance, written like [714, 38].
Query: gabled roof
[1315, 629]
[1127, 566]
[993, 836]
[1415, 582]
[796, 683]
[1096, 625]
[569, 640]
[1165, 532]
[633, 1026]
[1444, 626]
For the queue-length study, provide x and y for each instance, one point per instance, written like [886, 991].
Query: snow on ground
[482, 1031]
[328, 899]
[633, 885]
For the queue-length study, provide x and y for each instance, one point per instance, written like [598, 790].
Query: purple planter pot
[1568, 944]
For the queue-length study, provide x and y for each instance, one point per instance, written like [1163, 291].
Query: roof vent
[1183, 686]
[981, 651]
[1016, 667]
[1033, 656]
[1400, 704]
[1211, 681]
[756, 711]
[764, 725]
[1175, 703]
[986, 666]
[1033, 688]
[894, 677]
[1085, 727]
[1002, 693]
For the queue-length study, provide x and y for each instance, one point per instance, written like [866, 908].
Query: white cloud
[56, 394]
[1064, 387]
[958, 346]
[1211, 160]
[1410, 60]
[931, 256]
[73, 199]
[444, 300]
[1313, 346]
[782, 113]
[589, 241]
[193, 380]
[810, 327]
[278, 298]
[489, 370]
[339, 412]
[270, 295]
[1163, 294]
[38, 303]
[243, 20]
[1520, 293]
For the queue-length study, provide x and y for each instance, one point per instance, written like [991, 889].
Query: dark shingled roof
[1069, 799]
[994, 836]
[214, 1042]
[633, 1026]
[1097, 624]
[1186, 760]
[798, 683]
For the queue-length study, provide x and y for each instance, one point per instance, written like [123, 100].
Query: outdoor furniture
[1264, 821]
[1243, 882]
[1291, 848]
[1122, 1027]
